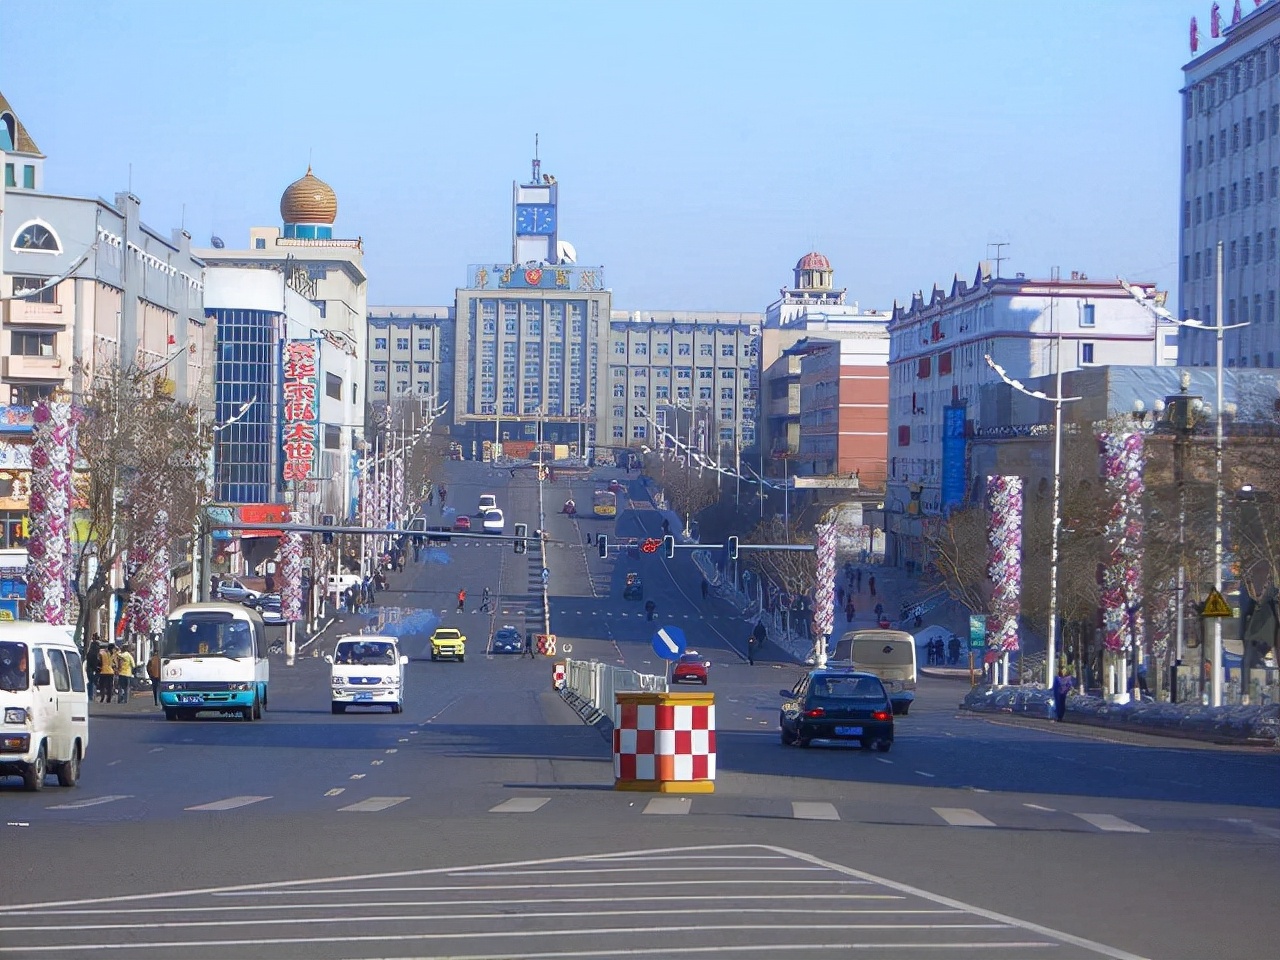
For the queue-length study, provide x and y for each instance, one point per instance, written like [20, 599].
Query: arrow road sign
[669, 643]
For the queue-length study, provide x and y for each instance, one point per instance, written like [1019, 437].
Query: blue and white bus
[214, 658]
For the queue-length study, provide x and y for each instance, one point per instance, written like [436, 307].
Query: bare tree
[957, 547]
[142, 454]
[795, 571]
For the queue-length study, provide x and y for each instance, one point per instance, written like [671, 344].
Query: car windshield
[13, 665]
[847, 688]
[691, 658]
[447, 634]
[208, 634]
[507, 635]
[365, 652]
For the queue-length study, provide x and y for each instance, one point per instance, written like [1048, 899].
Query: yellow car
[448, 642]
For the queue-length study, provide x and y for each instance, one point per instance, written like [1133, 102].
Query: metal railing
[590, 685]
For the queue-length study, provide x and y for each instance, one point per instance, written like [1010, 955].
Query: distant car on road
[367, 670]
[448, 642]
[633, 589]
[690, 667]
[269, 607]
[494, 522]
[462, 522]
[837, 706]
[235, 591]
[487, 502]
[507, 639]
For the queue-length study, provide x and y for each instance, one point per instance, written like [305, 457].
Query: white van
[338, 584]
[487, 502]
[367, 670]
[889, 654]
[44, 702]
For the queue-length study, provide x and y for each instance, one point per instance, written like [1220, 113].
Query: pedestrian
[849, 611]
[953, 650]
[462, 601]
[484, 601]
[153, 674]
[839, 596]
[270, 581]
[124, 675]
[92, 663]
[871, 584]
[649, 607]
[107, 674]
[1141, 674]
[757, 638]
[879, 610]
[528, 646]
[417, 549]
[858, 576]
[431, 497]
[918, 622]
[513, 473]
[706, 588]
[1062, 685]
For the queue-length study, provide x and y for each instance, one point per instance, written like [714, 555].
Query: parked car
[837, 706]
[494, 522]
[690, 667]
[235, 591]
[633, 589]
[367, 670]
[448, 642]
[462, 522]
[268, 606]
[507, 639]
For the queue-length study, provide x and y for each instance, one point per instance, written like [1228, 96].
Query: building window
[379, 368]
[259, 243]
[682, 393]
[9, 179]
[1199, 154]
[423, 367]
[944, 363]
[662, 393]
[1271, 244]
[1222, 200]
[704, 393]
[1199, 209]
[1186, 213]
[1235, 137]
[684, 349]
[1248, 191]
[1208, 205]
[726, 350]
[1212, 149]
[620, 347]
[402, 343]
[25, 289]
[904, 435]
[1086, 353]
[1186, 163]
[379, 343]
[923, 368]
[726, 393]
[642, 350]
[1231, 256]
[1248, 131]
[332, 436]
[638, 432]
[639, 391]
[662, 349]
[36, 235]
[31, 344]
[1244, 252]
[333, 386]
[510, 325]
[1235, 196]
[424, 344]
[704, 373]
[728, 375]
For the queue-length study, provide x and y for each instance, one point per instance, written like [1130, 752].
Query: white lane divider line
[668, 805]
[962, 817]
[356, 776]
[392, 750]
[335, 791]
[921, 773]
[375, 763]
[155, 749]
[884, 760]
[372, 805]
[228, 804]
[1036, 806]
[90, 802]
[1258, 828]
[806, 810]
[1110, 823]
[521, 805]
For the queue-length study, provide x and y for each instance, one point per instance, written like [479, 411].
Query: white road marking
[668, 805]
[356, 776]
[228, 804]
[962, 817]
[335, 791]
[372, 805]
[1036, 806]
[1110, 823]
[884, 760]
[521, 805]
[921, 773]
[113, 763]
[375, 763]
[1257, 828]
[155, 749]
[90, 802]
[392, 750]
[803, 810]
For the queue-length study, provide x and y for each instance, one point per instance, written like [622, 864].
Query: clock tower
[534, 222]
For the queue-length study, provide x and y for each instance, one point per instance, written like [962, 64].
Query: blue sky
[701, 147]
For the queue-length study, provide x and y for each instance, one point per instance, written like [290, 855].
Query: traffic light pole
[669, 546]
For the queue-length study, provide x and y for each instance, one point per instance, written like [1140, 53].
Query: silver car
[235, 591]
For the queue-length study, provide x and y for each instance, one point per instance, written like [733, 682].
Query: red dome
[813, 261]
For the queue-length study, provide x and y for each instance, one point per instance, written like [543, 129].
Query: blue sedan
[507, 640]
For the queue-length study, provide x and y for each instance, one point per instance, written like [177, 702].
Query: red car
[690, 666]
[462, 522]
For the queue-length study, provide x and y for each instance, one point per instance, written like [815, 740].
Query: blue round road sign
[669, 643]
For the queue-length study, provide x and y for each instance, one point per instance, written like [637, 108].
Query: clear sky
[701, 147]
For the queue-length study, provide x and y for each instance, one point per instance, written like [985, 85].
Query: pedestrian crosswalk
[1027, 816]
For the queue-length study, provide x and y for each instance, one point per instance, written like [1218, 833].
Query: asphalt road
[482, 823]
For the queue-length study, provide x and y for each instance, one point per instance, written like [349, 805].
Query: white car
[494, 522]
[487, 502]
[367, 670]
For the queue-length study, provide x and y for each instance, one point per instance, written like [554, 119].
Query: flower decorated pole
[1123, 460]
[824, 594]
[49, 547]
[149, 602]
[1004, 568]
[291, 587]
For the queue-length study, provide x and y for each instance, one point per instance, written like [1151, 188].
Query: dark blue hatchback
[837, 706]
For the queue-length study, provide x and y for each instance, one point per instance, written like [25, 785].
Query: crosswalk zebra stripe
[372, 805]
[668, 805]
[1110, 823]
[804, 810]
[962, 817]
[521, 805]
[230, 803]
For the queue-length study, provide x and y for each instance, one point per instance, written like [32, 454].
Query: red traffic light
[651, 544]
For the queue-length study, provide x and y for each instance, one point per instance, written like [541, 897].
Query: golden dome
[309, 200]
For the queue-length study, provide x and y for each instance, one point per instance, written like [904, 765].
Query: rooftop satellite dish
[565, 252]
[216, 243]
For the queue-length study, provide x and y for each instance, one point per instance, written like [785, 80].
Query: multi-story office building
[936, 363]
[84, 284]
[1230, 166]
[704, 363]
[290, 314]
[411, 355]
[527, 357]
[844, 409]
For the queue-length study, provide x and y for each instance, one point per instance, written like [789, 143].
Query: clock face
[537, 219]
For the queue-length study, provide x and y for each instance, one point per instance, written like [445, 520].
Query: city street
[482, 821]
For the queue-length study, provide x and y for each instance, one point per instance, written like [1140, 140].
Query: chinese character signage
[299, 407]
[501, 276]
[954, 451]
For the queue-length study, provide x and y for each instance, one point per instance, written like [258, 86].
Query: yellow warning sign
[1216, 606]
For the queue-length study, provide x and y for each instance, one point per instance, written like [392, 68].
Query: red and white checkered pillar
[664, 742]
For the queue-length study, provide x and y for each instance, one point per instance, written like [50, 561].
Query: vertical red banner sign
[300, 407]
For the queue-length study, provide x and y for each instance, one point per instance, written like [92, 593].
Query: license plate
[190, 699]
[364, 696]
[848, 731]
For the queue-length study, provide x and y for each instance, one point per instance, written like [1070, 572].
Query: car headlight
[392, 681]
[338, 681]
[240, 686]
[15, 715]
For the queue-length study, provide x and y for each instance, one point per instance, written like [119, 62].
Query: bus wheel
[257, 709]
[170, 713]
[247, 713]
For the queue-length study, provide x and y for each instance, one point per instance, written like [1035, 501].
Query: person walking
[484, 602]
[754, 642]
[1062, 685]
[462, 601]
[649, 607]
[953, 650]
[107, 674]
[124, 675]
[528, 646]
[839, 596]
[92, 664]
[849, 610]
[153, 674]
[871, 584]
[706, 588]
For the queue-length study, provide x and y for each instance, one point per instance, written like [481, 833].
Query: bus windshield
[605, 503]
[212, 634]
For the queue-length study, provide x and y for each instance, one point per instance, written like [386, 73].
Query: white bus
[214, 657]
[889, 654]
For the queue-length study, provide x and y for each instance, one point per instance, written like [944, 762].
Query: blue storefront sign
[954, 450]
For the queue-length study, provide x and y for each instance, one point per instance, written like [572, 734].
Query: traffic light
[522, 531]
[603, 542]
[733, 548]
[669, 543]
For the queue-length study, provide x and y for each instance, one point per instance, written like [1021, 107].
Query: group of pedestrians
[110, 671]
[940, 653]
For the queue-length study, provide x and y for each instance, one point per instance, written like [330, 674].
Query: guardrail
[589, 687]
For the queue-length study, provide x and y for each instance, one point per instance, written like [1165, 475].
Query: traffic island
[665, 742]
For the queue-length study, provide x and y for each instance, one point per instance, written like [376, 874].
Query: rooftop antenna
[537, 165]
[183, 224]
[998, 258]
[130, 178]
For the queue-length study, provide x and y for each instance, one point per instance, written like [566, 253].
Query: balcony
[19, 367]
[783, 407]
[28, 312]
